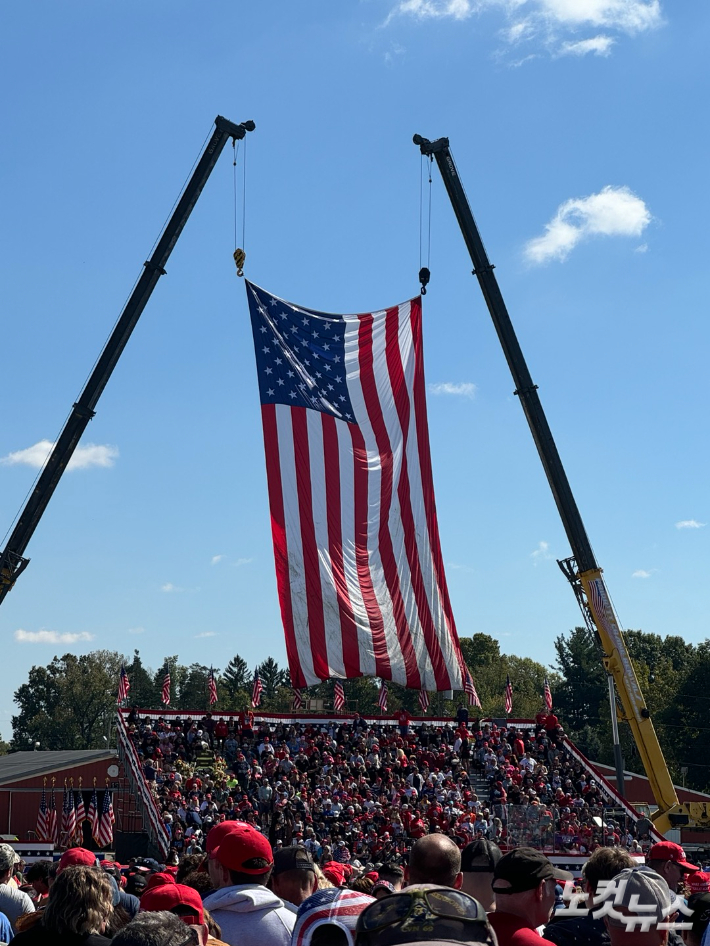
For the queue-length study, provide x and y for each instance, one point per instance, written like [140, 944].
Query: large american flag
[338, 696]
[43, 819]
[165, 696]
[256, 690]
[106, 822]
[358, 559]
[123, 685]
[508, 694]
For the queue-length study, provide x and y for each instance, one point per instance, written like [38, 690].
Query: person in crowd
[13, 902]
[435, 859]
[604, 864]
[240, 862]
[424, 913]
[478, 861]
[157, 929]
[699, 917]
[668, 860]
[392, 874]
[641, 902]
[524, 884]
[77, 913]
[184, 902]
[328, 917]
[37, 875]
[293, 877]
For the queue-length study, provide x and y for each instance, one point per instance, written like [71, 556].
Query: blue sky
[577, 129]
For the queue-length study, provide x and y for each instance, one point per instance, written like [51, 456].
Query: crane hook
[239, 258]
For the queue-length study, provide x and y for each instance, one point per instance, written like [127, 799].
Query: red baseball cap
[76, 857]
[668, 851]
[217, 833]
[335, 872]
[159, 880]
[699, 882]
[234, 848]
[170, 896]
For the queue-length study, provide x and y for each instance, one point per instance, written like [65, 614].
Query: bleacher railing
[147, 805]
[549, 828]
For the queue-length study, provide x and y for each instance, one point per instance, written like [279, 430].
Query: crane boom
[12, 560]
[582, 569]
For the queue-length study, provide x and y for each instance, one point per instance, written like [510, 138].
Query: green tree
[192, 693]
[235, 677]
[272, 677]
[583, 690]
[143, 692]
[68, 704]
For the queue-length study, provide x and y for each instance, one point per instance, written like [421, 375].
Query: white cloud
[458, 389]
[599, 45]
[614, 211]
[556, 24]
[242, 561]
[689, 524]
[50, 637]
[136, 630]
[206, 634]
[216, 559]
[83, 458]
[641, 573]
[169, 588]
[641, 248]
[541, 553]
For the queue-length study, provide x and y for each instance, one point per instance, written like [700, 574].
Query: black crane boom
[12, 560]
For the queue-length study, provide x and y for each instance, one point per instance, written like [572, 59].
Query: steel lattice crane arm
[12, 558]
[582, 569]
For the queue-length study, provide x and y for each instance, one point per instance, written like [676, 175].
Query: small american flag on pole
[93, 815]
[106, 822]
[256, 690]
[470, 690]
[212, 687]
[165, 697]
[123, 685]
[68, 817]
[508, 694]
[80, 815]
[382, 697]
[43, 819]
[548, 694]
[53, 825]
[359, 567]
[424, 700]
[338, 696]
[297, 699]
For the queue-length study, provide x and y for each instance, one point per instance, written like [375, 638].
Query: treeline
[70, 703]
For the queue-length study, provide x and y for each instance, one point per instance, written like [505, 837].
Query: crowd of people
[354, 833]
[243, 892]
[351, 790]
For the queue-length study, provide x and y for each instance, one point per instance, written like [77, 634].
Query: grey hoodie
[251, 915]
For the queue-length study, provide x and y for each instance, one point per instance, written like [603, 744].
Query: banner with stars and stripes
[358, 559]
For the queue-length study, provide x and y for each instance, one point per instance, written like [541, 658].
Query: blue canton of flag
[301, 361]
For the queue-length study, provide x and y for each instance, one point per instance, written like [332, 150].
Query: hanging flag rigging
[359, 567]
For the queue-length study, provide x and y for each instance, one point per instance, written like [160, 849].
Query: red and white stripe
[424, 700]
[338, 697]
[358, 559]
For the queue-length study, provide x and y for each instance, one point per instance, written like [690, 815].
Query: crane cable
[239, 252]
[424, 273]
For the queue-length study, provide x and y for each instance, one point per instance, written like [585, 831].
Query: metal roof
[21, 765]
